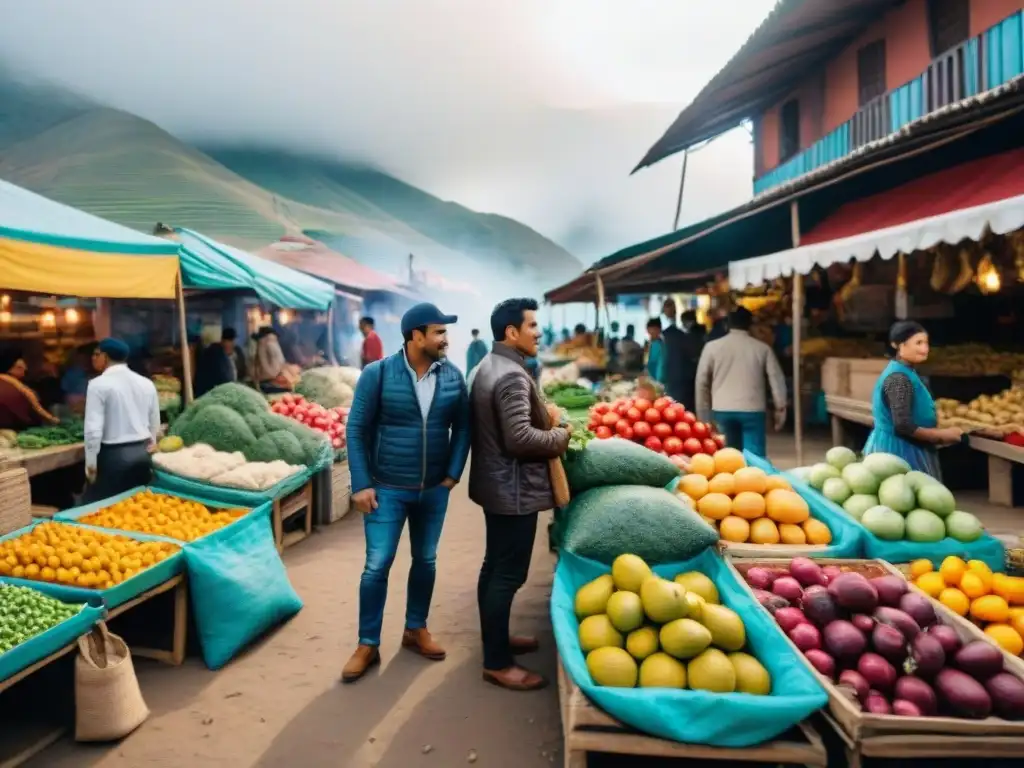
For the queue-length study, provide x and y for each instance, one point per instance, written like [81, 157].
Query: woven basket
[15, 500]
[108, 701]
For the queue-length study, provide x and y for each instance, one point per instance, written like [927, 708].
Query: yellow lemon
[952, 570]
[931, 583]
[920, 568]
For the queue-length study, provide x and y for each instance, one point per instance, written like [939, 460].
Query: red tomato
[662, 403]
[288, 398]
[603, 432]
[689, 418]
[653, 443]
[634, 414]
[610, 419]
[652, 415]
[622, 408]
[682, 430]
[622, 426]
[700, 429]
[642, 405]
[673, 445]
[692, 446]
[662, 430]
[671, 414]
[628, 434]
[642, 430]
[600, 409]
[719, 440]
[710, 446]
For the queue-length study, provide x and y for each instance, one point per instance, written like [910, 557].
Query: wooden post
[798, 316]
[330, 335]
[679, 199]
[902, 302]
[186, 356]
[601, 305]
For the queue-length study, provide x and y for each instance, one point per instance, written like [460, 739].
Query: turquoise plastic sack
[847, 533]
[239, 587]
[120, 593]
[694, 717]
[52, 640]
[168, 482]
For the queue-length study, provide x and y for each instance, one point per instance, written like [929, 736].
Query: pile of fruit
[663, 426]
[745, 504]
[79, 557]
[161, 514]
[885, 643]
[638, 629]
[26, 612]
[329, 421]
[994, 601]
[972, 360]
[889, 499]
[1005, 409]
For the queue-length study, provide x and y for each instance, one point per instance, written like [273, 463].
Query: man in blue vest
[408, 441]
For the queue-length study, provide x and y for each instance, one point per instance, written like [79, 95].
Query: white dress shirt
[120, 407]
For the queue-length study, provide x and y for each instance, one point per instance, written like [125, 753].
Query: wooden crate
[293, 505]
[852, 378]
[890, 736]
[587, 729]
[341, 491]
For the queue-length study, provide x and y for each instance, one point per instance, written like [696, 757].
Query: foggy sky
[536, 109]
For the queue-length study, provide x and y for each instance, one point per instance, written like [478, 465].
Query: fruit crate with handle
[867, 735]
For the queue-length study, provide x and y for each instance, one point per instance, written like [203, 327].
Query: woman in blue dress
[906, 423]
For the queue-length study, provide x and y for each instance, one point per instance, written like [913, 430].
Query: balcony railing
[978, 64]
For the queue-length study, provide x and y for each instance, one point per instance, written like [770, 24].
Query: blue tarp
[694, 717]
[274, 283]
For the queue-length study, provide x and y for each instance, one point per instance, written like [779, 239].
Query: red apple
[662, 430]
[710, 446]
[653, 443]
[700, 429]
[642, 430]
[673, 445]
[603, 432]
[682, 430]
[689, 417]
[692, 446]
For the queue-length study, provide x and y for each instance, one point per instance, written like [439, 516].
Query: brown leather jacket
[512, 443]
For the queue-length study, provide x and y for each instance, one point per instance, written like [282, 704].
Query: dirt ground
[281, 703]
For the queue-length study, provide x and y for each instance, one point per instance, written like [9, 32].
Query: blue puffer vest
[390, 444]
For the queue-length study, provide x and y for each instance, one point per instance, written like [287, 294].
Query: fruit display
[162, 514]
[745, 504]
[168, 390]
[639, 630]
[27, 612]
[1002, 411]
[229, 470]
[328, 421]
[663, 426]
[864, 630]
[971, 360]
[891, 501]
[80, 557]
[993, 601]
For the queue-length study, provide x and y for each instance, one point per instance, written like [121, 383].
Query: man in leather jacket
[513, 442]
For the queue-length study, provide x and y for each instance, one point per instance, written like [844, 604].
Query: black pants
[119, 468]
[506, 565]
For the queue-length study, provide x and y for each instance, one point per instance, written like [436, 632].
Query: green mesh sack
[617, 462]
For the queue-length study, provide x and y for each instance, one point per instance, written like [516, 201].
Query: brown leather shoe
[515, 679]
[362, 661]
[420, 641]
[520, 645]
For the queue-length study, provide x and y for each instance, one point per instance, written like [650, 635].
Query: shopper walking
[373, 347]
[408, 440]
[476, 352]
[122, 423]
[731, 387]
[513, 442]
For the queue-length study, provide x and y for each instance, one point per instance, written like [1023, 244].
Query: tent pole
[330, 336]
[600, 301]
[186, 357]
[679, 199]
[798, 316]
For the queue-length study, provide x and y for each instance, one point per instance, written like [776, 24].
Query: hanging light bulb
[991, 282]
[5, 301]
[71, 316]
[284, 317]
[5, 317]
[987, 277]
[48, 320]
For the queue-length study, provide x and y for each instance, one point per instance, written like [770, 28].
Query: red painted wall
[985, 13]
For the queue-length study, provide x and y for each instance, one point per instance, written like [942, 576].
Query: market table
[41, 460]
[1001, 460]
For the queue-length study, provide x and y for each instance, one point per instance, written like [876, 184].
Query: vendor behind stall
[19, 405]
[272, 372]
[122, 422]
[217, 364]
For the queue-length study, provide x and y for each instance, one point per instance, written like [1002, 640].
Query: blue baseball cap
[423, 315]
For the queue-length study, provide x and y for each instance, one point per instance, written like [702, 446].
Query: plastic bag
[239, 587]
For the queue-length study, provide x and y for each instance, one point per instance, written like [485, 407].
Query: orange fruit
[749, 506]
[921, 567]
[694, 486]
[953, 569]
[792, 534]
[1006, 637]
[734, 529]
[778, 481]
[763, 531]
[990, 608]
[1017, 622]
[931, 583]
[729, 460]
[972, 585]
[955, 600]
[723, 482]
[1011, 588]
[817, 532]
[717, 506]
[786, 506]
[751, 479]
[702, 464]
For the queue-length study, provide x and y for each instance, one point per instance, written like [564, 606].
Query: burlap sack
[108, 701]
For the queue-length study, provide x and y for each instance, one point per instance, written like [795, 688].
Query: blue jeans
[744, 430]
[425, 512]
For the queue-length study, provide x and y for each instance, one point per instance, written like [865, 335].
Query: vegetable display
[329, 421]
[745, 504]
[230, 470]
[329, 386]
[662, 426]
[970, 589]
[77, 556]
[640, 630]
[161, 514]
[233, 417]
[863, 628]
[890, 500]
[26, 612]
[68, 432]
[570, 396]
